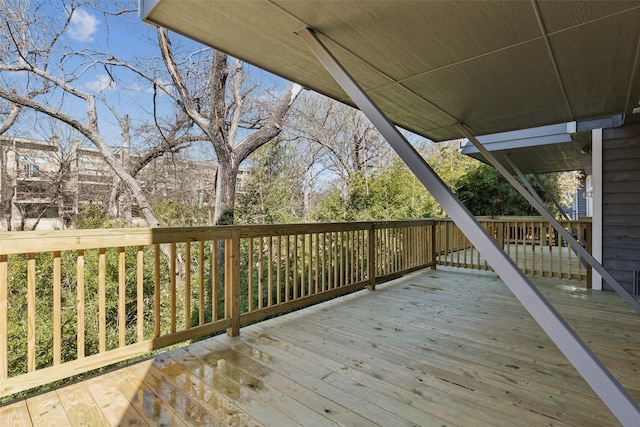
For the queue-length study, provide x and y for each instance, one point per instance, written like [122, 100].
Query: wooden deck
[445, 347]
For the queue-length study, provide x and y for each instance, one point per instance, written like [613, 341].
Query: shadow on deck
[438, 347]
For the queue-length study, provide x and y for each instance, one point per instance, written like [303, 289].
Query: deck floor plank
[145, 400]
[80, 406]
[180, 369]
[46, 409]
[189, 410]
[113, 404]
[260, 406]
[438, 347]
[15, 414]
[259, 379]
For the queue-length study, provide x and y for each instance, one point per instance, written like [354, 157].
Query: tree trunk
[226, 181]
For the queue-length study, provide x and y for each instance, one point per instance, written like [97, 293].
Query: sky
[125, 37]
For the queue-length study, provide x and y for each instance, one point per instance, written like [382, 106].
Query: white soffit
[495, 66]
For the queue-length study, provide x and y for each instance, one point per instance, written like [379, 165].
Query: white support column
[621, 404]
[596, 218]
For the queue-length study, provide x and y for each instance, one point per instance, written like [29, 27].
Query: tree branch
[272, 128]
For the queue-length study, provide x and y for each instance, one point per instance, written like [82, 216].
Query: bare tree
[214, 101]
[31, 49]
[349, 142]
[220, 108]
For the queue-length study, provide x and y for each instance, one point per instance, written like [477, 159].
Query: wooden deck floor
[435, 348]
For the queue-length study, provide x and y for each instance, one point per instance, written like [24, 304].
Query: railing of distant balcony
[531, 242]
[74, 301]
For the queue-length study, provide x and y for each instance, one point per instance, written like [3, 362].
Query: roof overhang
[494, 66]
[552, 148]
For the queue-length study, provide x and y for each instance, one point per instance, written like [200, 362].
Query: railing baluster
[334, 249]
[578, 256]
[302, 265]
[260, 273]
[250, 276]
[296, 291]
[317, 262]
[140, 293]
[172, 286]
[31, 312]
[560, 263]
[102, 300]
[156, 290]
[201, 283]
[279, 270]
[325, 269]
[80, 302]
[270, 272]
[310, 266]
[122, 301]
[214, 280]
[187, 284]
[57, 307]
[4, 317]
[287, 269]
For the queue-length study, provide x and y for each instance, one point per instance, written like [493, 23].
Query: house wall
[621, 203]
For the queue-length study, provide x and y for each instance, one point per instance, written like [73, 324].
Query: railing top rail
[520, 219]
[61, 240]
[405, 223]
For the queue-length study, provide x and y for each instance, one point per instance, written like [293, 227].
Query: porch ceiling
[495, 66]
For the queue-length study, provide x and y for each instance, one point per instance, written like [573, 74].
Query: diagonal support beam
[551, 196]
[599, 378]
[540, 207]
[524, 179]
[532, 190]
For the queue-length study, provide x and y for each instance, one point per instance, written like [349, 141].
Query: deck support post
[594, 372]
[371, 257]
[433, 248]
[540, 207]
[232, 282]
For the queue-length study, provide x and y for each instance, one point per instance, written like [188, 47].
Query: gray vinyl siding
[621, 203]
[579, 203]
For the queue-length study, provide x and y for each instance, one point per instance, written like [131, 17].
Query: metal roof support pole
[599, 378]
[524, 179]
[540, 207]
[532, 190]
[551, 196]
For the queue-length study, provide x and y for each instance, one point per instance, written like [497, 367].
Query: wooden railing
[531, 242]
[74, 301]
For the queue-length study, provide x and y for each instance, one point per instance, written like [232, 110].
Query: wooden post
[500, 226]
[434, 245]
[371, 258]
[232, 282]
[588, 229]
